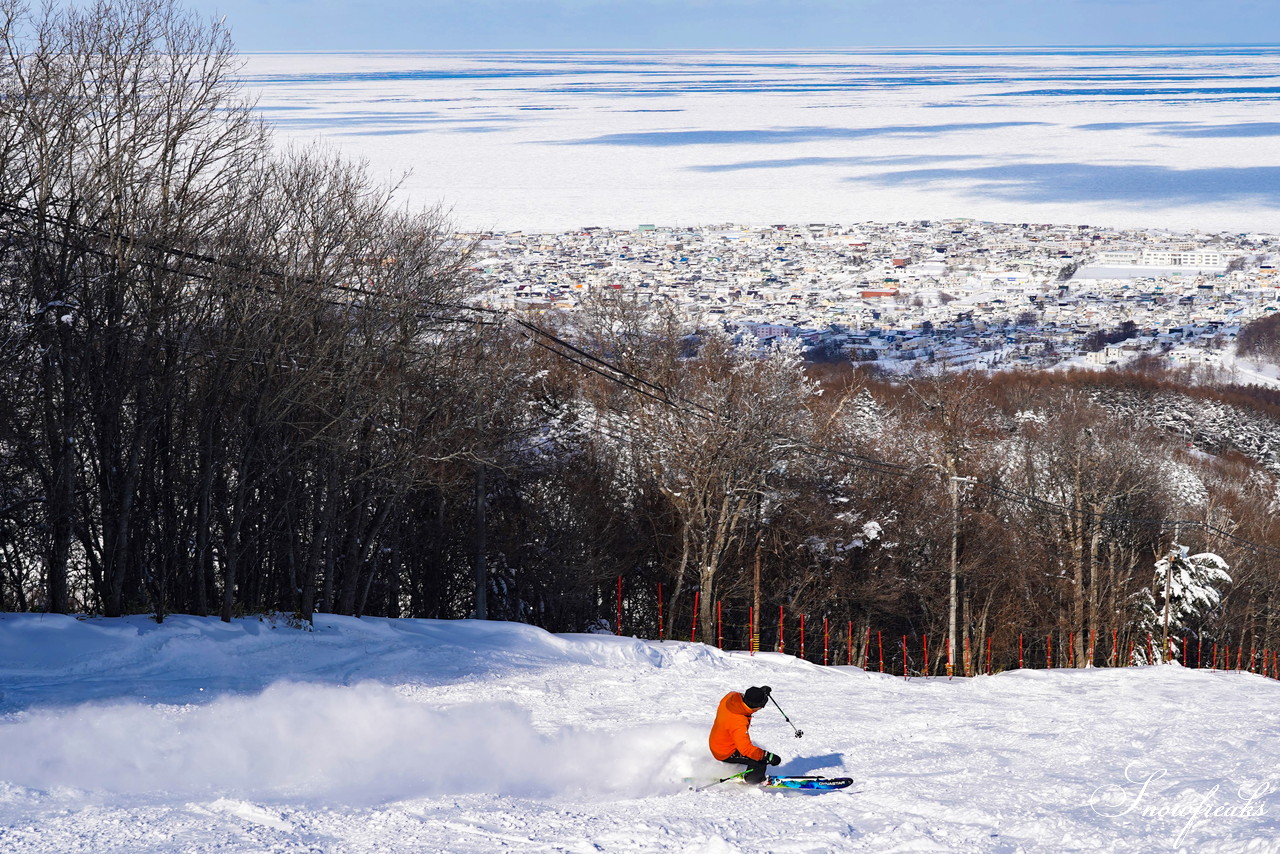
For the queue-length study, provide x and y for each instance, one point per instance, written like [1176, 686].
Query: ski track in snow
[375, 736]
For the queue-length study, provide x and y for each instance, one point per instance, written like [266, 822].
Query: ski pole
[799, 732]
[725, 780]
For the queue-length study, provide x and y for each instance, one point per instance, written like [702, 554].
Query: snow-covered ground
[1164, 137]
[1250, 371]
[384, 736]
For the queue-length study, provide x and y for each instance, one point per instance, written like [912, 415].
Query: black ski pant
[755, 767]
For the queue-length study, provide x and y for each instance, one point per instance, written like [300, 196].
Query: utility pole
[953, 605]
[1168, 585]
[1174, 553]
[753, 641]
[952, 625]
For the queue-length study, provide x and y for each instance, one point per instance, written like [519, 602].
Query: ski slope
[371, 735]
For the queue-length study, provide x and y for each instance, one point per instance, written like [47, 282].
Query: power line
[585, 360]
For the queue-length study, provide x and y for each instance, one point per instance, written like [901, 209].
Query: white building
[1163, 257]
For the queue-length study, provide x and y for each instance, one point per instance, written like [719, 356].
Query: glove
[772, 758]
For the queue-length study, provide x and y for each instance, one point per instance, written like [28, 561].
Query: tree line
[239, 379]
[1261, 339]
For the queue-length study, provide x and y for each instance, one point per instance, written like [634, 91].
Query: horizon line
[904, 47]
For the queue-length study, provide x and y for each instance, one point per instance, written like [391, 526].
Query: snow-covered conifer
[1193, 585]
[866, 415]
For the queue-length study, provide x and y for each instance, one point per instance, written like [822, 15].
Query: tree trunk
[116, 559]
[1095, 542]
[481, 573]
[61, 497]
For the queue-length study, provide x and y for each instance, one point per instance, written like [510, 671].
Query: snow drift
[367, 743]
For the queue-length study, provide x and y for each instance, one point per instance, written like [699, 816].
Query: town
[958, 292]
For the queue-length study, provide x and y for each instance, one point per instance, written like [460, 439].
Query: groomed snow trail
[417, 735]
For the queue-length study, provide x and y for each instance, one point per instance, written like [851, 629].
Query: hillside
[418, 735]
[1213, 424]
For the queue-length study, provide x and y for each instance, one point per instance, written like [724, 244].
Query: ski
[816, 784]
[826, 784]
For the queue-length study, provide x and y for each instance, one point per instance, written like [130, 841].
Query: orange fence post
[802, 635]
[825, 642]
[782, 644]
[661, 627]
[988, 655]
[1048, 653]
[618, 624]
[1071, 648]
[693, 633]
[1020, 652]
[880, 641]
[925, 669]
[850, 644]
[904, 656]
[719, 626]
[753, 640]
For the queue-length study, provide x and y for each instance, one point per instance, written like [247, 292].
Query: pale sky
[265, 25]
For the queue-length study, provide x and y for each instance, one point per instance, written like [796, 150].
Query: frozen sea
[1171, 137]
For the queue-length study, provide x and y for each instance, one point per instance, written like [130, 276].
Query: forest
[241, 378]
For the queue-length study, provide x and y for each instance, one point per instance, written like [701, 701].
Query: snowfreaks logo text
[1188, 806]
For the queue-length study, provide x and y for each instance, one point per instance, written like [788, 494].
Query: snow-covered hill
[1210, 425]
[413, 735]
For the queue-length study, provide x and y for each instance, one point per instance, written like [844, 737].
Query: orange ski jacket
[729, 732]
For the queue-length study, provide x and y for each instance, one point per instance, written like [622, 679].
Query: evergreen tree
[1184, 589]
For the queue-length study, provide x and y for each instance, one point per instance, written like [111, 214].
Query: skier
[729, 739]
